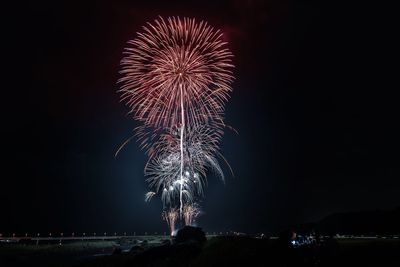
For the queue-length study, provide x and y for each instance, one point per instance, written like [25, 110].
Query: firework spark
[190, 213]
[149, 195]
[170, 216]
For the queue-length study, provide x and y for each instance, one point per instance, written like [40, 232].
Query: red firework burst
[176, 72]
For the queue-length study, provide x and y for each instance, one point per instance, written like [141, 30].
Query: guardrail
[93, 236]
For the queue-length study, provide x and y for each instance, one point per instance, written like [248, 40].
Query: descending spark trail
[170, 217]
[164, 166]
[181, 148]
[176, 78]
[190, 212]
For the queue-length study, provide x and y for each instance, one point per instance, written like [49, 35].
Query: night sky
[314, 105]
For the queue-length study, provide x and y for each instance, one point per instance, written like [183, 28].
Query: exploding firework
[170, 216]
[176, 78]
[190, 213]
[177, 74]
[163, 169]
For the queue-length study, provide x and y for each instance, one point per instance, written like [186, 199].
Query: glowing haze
[176, 78]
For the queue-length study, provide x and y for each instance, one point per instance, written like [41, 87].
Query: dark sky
[314, 104]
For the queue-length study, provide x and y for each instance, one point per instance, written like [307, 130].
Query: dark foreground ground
[217, 251]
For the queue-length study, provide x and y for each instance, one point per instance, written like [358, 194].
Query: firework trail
[170, 216]
[190, 213]
[148, 196]
[176, 78]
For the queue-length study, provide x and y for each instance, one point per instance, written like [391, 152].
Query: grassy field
[53, 254]
[70, 253]
[217, 251]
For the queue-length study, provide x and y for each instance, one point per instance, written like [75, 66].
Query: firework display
[176, 78]
[190, 212]
[170, 216]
